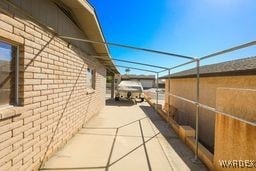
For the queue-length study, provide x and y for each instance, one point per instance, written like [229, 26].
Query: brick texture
[54, 88]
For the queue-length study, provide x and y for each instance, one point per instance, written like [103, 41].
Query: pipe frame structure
[157, 90]
[131, 62]
[128, 47]
[252, 43]
[197, 106]
[197, 61]
[121, 66]
[197, 103]
[138, 63]
[155, 66]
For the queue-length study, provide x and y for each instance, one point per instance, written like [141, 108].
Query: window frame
[91, 83]
[15, 57]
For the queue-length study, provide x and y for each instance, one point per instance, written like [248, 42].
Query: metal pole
[229, 50]
[197, 106]
[186, 63]
[127, 46]
[113, 86]
[138, 63]
[169, 91]
[157, 75]
[136, 68]
[163, 70]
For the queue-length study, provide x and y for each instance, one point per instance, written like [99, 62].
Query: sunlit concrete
[124, 136]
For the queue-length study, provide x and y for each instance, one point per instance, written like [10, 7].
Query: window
[8, 74]
[91, 78]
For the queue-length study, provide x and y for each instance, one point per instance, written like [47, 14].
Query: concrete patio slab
[148, 130]
[135, 161]
[132, 129]
[157, 158]
[80, 152]
[124, 136]
[124, 147]
[92, 131]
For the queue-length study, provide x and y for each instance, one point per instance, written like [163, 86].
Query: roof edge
[244, 66]
[84, 11]
[216, 74]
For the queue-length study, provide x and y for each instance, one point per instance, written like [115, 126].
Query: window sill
[90, 91]
[11, 111]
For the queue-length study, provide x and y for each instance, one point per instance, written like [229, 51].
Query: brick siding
[52, 86]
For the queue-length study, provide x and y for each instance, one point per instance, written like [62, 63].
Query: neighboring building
[48, 86]
[237, 74]
[161, 83]
[147, 81]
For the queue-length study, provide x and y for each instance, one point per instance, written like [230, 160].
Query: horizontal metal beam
[136, 68]
[128, 47]
[132, 62]
[186, 63]
[229, 50]
[182, 98]
[213, 109]
[163, 70]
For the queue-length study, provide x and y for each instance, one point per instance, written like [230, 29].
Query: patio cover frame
[192, 60]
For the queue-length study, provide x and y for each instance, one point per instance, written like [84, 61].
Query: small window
[8, 74]
[91, 78]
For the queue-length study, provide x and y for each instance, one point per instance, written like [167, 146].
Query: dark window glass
[7, 73]
[91, 78]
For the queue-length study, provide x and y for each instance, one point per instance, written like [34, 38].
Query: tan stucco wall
[235, 140]
[186, 87]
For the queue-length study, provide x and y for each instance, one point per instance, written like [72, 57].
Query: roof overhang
[87, 20]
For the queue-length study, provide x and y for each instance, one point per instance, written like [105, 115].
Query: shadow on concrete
[109, 164]
[175, 142]
[172, 138]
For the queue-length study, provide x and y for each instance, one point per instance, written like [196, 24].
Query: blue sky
[5, 52]
[189, 27]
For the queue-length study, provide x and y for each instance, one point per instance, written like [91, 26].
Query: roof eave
[87, 18]
[214, 74]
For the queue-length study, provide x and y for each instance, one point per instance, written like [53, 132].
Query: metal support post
[157, 76]
[113, 86]
[169, 91]
[197, 106]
